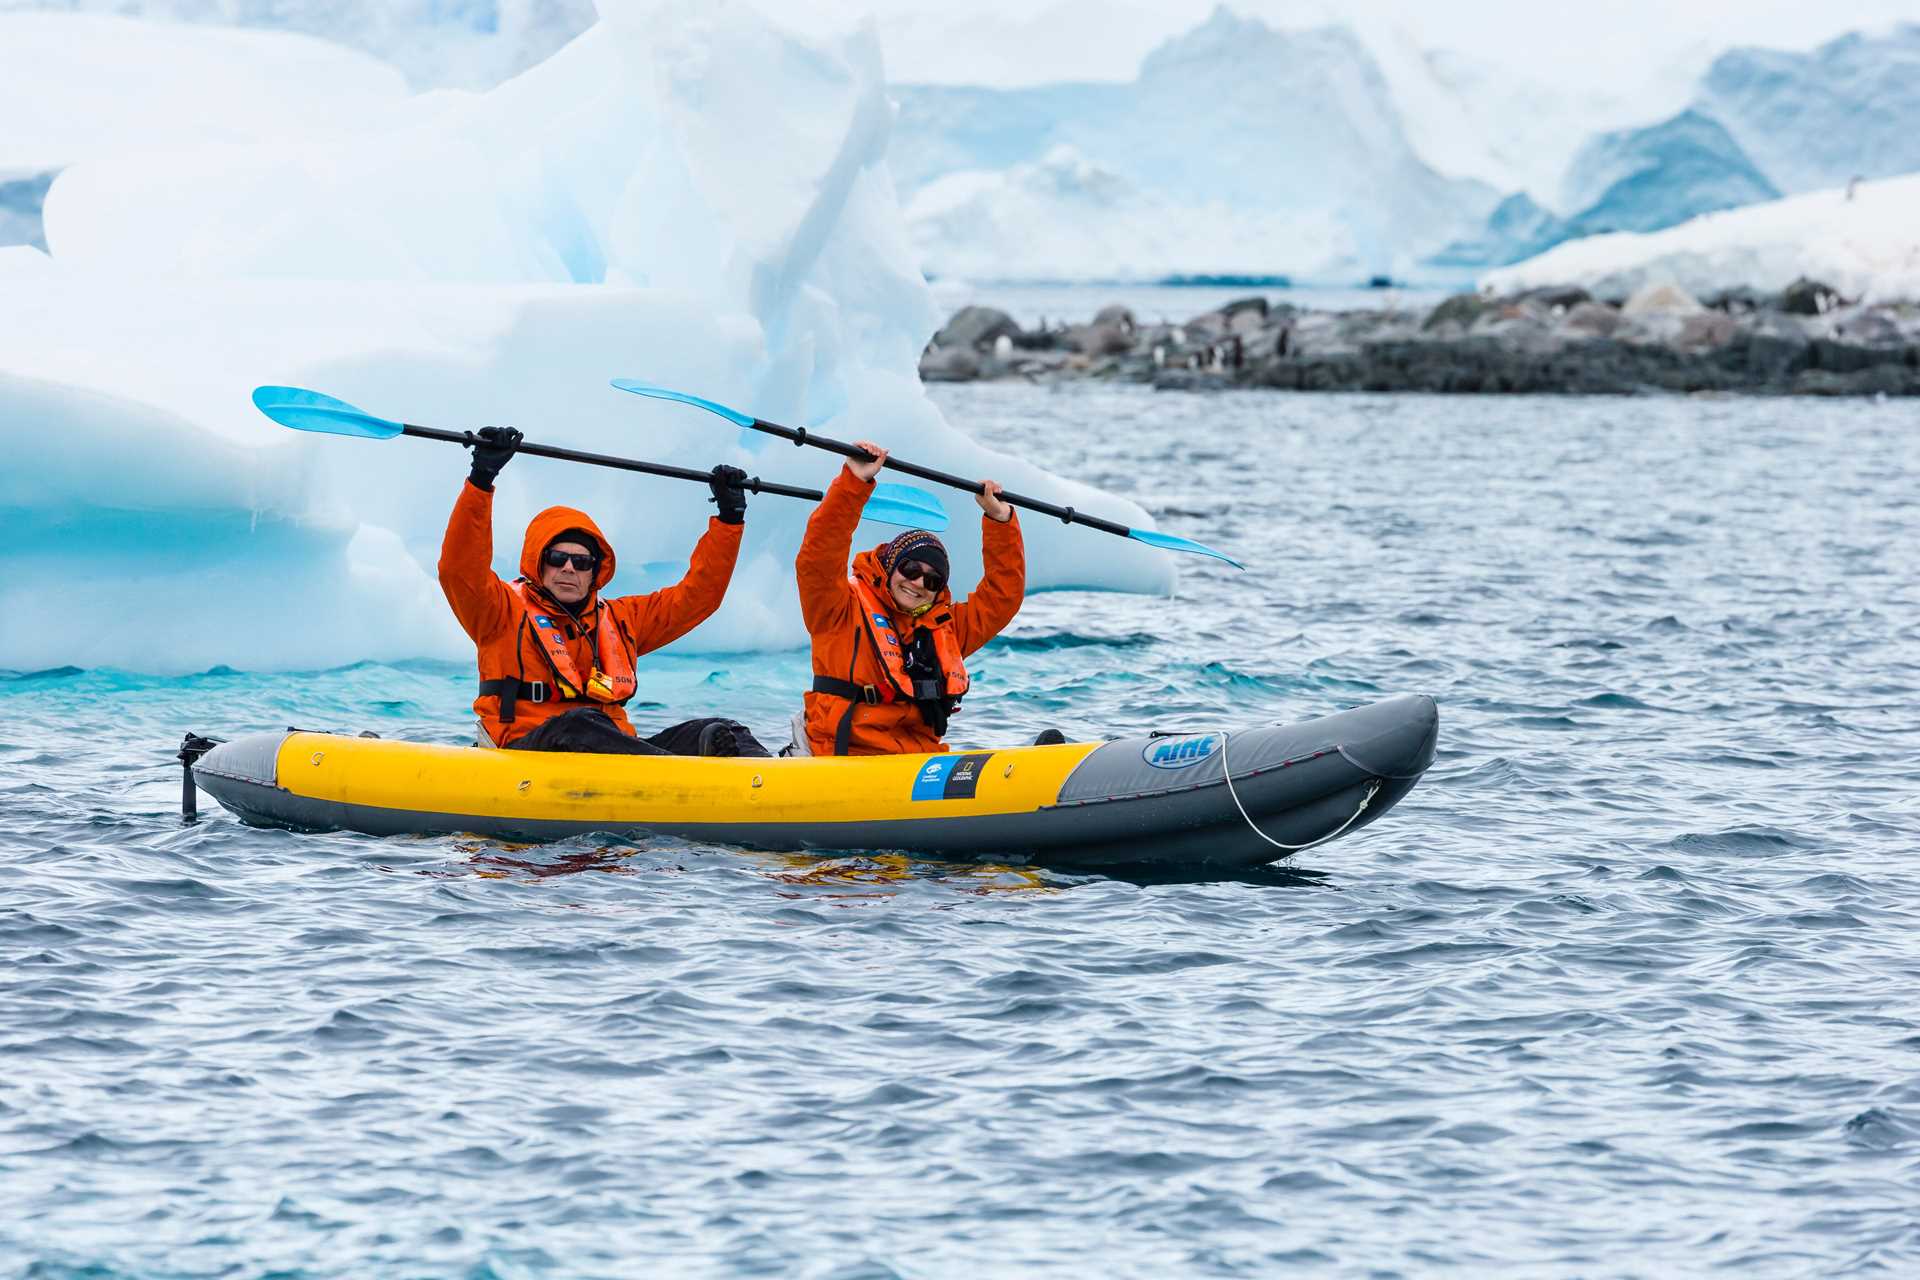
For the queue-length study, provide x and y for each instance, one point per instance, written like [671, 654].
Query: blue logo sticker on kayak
[950, 777]
[931, 782]
[1178, 753]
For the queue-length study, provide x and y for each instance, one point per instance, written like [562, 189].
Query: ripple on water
[1632, 959]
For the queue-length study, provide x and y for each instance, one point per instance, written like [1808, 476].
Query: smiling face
[567, 582]
[909, 583]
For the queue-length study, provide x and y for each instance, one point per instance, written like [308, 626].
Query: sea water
[1628, 985]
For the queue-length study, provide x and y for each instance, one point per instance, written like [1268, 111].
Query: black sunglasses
[923, 573]
[557, 559]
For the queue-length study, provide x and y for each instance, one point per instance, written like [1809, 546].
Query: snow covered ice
[1862, 242]
[685, 194]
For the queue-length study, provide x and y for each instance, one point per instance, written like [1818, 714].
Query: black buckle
[869, 695]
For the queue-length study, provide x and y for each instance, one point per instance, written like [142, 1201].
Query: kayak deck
[1150, 800]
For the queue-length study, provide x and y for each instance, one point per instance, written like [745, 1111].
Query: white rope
[1226, 771]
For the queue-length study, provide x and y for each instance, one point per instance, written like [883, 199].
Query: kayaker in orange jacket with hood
[557, 660]
[888, 638]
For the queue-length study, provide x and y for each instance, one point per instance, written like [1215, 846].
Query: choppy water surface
[1629, 985]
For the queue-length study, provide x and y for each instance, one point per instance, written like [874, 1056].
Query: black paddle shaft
[754, 483]
[800, 435]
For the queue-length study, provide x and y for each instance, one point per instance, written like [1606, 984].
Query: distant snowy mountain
[1295, 133]
[1646, 179]
[1762, 123]
[1850, 108]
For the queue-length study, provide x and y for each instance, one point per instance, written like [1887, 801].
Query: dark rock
[949, 364]
[1097, 339]
[1592, 319]
[1705, 331]
[1883, 379]
[1738, 301]
[1190, 380]
[1775, 352]
[1806, 297]
[1244, 324]
[1847, 357]
[1461, 309]
[976, 327]
[1116, 317]
[1258, 305]
[1870, 327]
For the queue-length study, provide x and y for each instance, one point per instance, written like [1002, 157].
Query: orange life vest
[610, 681]
[895, 682]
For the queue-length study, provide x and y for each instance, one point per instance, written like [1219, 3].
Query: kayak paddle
[800, 435]
[303, 410]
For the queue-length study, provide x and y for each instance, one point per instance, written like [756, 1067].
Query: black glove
[491, 446]
[728, 491]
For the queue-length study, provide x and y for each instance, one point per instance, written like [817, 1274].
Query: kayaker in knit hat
[557, 660]
[889, 642]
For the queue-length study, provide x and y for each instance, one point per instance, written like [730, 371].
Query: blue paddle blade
[310, 411]
[1174, 542]
[734, 416]
[906, 506]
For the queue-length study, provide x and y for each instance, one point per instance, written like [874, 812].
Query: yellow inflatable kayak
[1200, 798]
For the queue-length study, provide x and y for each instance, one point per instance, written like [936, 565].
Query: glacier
[687, 193]
[1238, 148]
[1760, 123]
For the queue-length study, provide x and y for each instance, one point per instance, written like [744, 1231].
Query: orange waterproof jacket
[495, 618]
[832, 612]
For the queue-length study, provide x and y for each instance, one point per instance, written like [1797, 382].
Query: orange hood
[546, 528]
[867, 566]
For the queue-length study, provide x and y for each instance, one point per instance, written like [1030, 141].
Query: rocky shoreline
[1807, 340]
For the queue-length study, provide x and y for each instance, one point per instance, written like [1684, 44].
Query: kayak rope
[1226, 771]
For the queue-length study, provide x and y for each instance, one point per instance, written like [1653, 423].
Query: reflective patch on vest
[1178, 753]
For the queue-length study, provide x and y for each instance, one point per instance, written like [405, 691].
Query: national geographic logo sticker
[950, 777]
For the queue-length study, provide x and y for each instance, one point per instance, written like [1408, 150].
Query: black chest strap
[510, 689]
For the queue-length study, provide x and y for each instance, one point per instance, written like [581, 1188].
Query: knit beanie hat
[915, 544]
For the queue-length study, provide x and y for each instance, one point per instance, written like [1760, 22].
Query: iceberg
[1759, 124]
[1858, 239]
[75, 87]
[67, 94]
[472, 44]
[1238, 148]
[685, 194]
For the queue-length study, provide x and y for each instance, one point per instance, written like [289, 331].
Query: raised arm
[661, 617]
[1003, 585]
[826, 601]
[479, 599]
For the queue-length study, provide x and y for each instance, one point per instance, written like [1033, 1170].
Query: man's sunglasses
[924, 574]
[561, 559]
